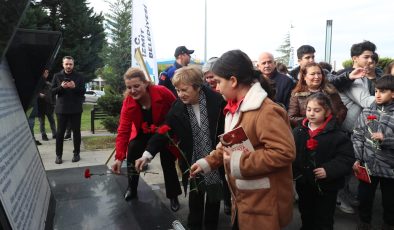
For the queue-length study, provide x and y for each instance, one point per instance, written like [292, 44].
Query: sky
[255, 26]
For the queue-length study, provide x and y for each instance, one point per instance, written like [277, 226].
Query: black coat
[178, 119]
[69, 101]
[334, 153]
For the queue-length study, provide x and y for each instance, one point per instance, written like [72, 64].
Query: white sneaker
[344, 206]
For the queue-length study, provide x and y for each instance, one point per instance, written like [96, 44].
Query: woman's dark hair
[235, 63]
[267, 84]
[385, 82]
[282, 68]
[322, 99]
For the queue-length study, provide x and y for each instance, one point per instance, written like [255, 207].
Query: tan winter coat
[261, 181]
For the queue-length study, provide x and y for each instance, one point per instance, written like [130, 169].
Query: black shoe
[227, 209]
[174, 204]
[76, 158]
[38, 143]
[67, 137]
[130, 194]
[44, 137]
[58, 160]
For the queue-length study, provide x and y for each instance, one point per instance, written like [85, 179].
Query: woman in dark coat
[196, 119]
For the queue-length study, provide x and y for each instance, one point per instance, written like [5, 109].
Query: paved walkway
[99, 157]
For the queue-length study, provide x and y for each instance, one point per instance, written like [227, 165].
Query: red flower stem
[192, 180]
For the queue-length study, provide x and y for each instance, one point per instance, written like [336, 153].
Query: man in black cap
[182, 55]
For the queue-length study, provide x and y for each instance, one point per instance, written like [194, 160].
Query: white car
[92, 95]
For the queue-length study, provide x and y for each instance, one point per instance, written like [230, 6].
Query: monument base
[97, 203]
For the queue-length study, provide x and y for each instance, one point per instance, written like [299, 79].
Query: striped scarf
[202, 144]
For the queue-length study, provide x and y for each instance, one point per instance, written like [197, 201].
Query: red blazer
[131, 116]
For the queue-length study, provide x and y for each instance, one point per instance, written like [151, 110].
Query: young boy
[373, 141]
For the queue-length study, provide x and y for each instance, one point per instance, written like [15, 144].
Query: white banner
[141, 36]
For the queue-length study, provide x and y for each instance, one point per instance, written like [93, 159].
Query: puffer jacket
[379, 156]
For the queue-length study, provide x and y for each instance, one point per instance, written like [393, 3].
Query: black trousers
[202, 211]
[136, 149]
[317, 210]
[75, 121]
[366, 196]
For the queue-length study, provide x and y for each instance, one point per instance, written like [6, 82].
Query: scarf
[232, 106]
[202, 144]
[311, 143]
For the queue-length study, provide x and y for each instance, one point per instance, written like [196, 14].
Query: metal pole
[327, 57]
[205, 34]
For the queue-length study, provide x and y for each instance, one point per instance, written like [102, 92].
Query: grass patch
[85, 121]
[99, 142]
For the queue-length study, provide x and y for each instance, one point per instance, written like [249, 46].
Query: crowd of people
[310, 128]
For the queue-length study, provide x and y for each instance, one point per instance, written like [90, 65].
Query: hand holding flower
[320, 173]
[377, 136]
[140, 163]
[194, 170]
[116, 166]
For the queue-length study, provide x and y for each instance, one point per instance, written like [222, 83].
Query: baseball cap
[182, 50]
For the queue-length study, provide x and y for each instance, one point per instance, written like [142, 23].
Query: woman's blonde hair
[188, 75]
[134, 72]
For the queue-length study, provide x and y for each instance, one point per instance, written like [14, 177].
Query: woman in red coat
[144, 104]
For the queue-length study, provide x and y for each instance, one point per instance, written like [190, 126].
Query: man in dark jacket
[46, 107]
[283, 84]
[182, 55]
[69, 87]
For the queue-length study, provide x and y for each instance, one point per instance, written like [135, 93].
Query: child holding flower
[373, 141]
[324, 156]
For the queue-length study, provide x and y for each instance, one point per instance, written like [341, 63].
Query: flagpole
[131, 34]
[205, 34]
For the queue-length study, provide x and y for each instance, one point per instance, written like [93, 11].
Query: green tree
[284, 50]
[382, 63]
[82, 30]
[117, 59]
[35, 18]
[117, 54]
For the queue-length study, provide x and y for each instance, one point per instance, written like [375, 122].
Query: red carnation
[152, 128]
[87, 173]
[372, 117]
[163, 129]
[145, 128]
[311, 144]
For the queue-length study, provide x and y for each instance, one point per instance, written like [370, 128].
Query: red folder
[363, 174]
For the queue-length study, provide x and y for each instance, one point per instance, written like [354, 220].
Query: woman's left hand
[226, 154]
[320, 173]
